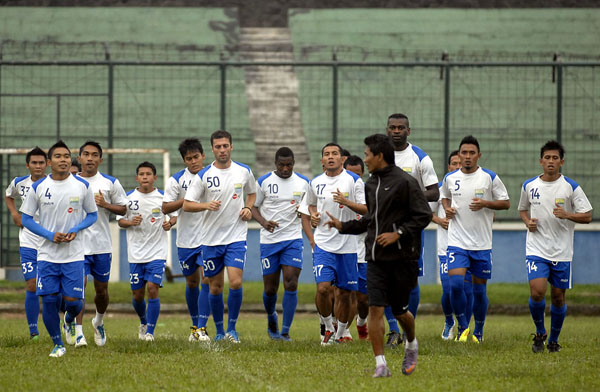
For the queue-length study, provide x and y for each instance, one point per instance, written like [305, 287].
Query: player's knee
[323, 290]
[30, 285]
[138, 296]
[457, 283]
[537, 296]
[192, 281]
[558, 299]
[152, 291]
[290, 284]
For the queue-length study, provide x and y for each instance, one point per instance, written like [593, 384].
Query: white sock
[99, 319]
[411, 345]
[341, 330]
[360, 321]
[79, 330]
[380, 360]
[328, 323]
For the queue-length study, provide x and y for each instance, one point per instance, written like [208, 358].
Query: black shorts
[390, 284]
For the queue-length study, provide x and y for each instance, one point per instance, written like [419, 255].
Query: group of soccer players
[65, 237]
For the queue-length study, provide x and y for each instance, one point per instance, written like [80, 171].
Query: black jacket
[394, 201]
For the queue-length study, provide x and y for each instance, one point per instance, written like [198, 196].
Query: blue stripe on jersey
[303, 177]
[420, 153]
[440, 184]
[37, 183]
[84, 182]
[528, 181]
[316, 178]
[263, 177]
[130, 192]
[201, 172]
[447, 174]
[19, 179]
[111, 178]
[178, 175]
[491, 173]
[243, 165]
[573, 184]
[353, 175]
[160, 191]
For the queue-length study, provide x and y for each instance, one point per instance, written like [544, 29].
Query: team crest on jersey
[560, 202]
[479, 193]
[74, 201]
[346, 195]
[407, 169]
[237, 191]
[156, 212]
[297, 196]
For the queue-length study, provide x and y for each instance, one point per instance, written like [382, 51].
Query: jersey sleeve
[250, 185]
[359, 192]
[260, 195]
[444, 191]
[30, 205]
[499, 191]
[524, 200]
[310, 198]
[118, 195]
[580, 201]
[172, 189]
[428, 176]
[89, 204]
[195, 189]
[11, 190]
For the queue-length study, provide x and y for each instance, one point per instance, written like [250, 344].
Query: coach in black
[397, 213]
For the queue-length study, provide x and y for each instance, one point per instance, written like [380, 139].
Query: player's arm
[127, 223]
[12, 208]
[246, 212]
[339, 198]
[477, 204]
[577, 217]
[268, 225]
[450, 211]
[171, 206]
[530, 223]
[440, 221]
[307, 228]
[432, 192]
[117, 209]
[169, 223]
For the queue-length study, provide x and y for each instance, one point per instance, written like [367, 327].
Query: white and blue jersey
[19, 187]
[418, 164]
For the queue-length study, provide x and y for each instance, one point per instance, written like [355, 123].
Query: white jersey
[61, 205]
[278, 200]
[441, 233]
[223, 226]
[472, 230]
[553, 239]
[320, 194]
[362, 248]
[19, 188]
[417, 163]
[189, 224]
[96, 238]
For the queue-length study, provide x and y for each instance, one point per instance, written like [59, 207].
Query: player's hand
[17, 220]
[214, 205]
[450, 212]
[99, 199]
[315, 219]
[560, 212]
[312, 244]
[333, 222]
[137, 220]
[339, 198]
[385, 239]
[532, 225]
[59, 237]
[246, 214]
[70, 237]
[270, 225]
[444, 223]
[166, 225]
[477, 204]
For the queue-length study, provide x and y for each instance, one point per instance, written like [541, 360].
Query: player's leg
[458, 262]
[415, 294]
[560, 279]
[72, 286]
[138, 290]
[235, 258]
[290, 298]
[203, 304]
[269, 260]
[32, 301]
[214, 270]
[153, 275]
[324, 272]
[448, 331]
[100, 270]
[481, 271]
[346, 283]
[189, 268]
[469, 295]
[362, 302]
[378, 299]
[538, 273]
[88, 261]
[48, 285]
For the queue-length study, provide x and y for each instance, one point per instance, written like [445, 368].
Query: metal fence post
[57, 116]
[110, 115]
[559, 97]
[223, 69]
[334, 110]
[446, 117]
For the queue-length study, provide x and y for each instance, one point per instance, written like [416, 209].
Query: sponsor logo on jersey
[70, 210]
[77, 289]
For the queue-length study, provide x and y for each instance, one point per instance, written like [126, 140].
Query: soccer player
[398, 212]
[146, 246]
[278, 196]
[75, 166]
[550, 205]
[219, 190]
[189, 232]
[418, 164]
[340, 193]
[35, 162]
[110, 198]
[65, 204]
[470, 196]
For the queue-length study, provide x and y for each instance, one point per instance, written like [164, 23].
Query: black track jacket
[394, 201]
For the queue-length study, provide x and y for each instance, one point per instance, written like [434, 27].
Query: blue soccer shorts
[140, 273]
[98, 266]
[28, 262]
[215, 258]
[189, 259]
[341, 269]
[362, 278]
[558, 273]
[273, 256]
[479, 262]
[65, 278]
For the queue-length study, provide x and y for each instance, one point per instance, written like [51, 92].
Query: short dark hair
[146, 164]
[469, 140]
[380, 143]
[345, 153]
[90, 143]
[284, 152]
[190, 144]
[452, 154]
[332, 144]
[75, 162]
[58, 144]
[36, 151]
[220, 134]
[553, 145]
[399, 116]
[354, 160]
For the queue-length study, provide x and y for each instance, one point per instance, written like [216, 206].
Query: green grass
[503, 362]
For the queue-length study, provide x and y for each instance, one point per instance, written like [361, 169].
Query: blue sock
[469, 295]
[537, 310]
[392, 322]
[191, 297]
[480, 307]
[270, 302]
[72, 309]
[446, 304]
[153, 312]
[51, 319]
[458, 300]
[413, 300]
[140, 309]
[32, 311]
[59, 303]
[234, 304]
[557, 317]
[203, 306]
[217, 307]
[290, 302]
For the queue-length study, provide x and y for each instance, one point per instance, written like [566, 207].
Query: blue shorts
[64, 278]
[140, 273]
[362, 278]
[421, 270]
[189, 259]
[479, 262]
[341, 269]
[273, 256]
[558, 273]
[98, 266]
[443, 267]
[28, 262]
[215, 258]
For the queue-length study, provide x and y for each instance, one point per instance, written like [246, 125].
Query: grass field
[503, 362]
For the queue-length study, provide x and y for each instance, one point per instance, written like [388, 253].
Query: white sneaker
[142, 331]
[194, 334]
[58, 351]
[99, 333]
[69, 330]
[202, 335]
[149, 337]
[80, 341]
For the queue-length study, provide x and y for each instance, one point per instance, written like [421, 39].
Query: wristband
[249, 209]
